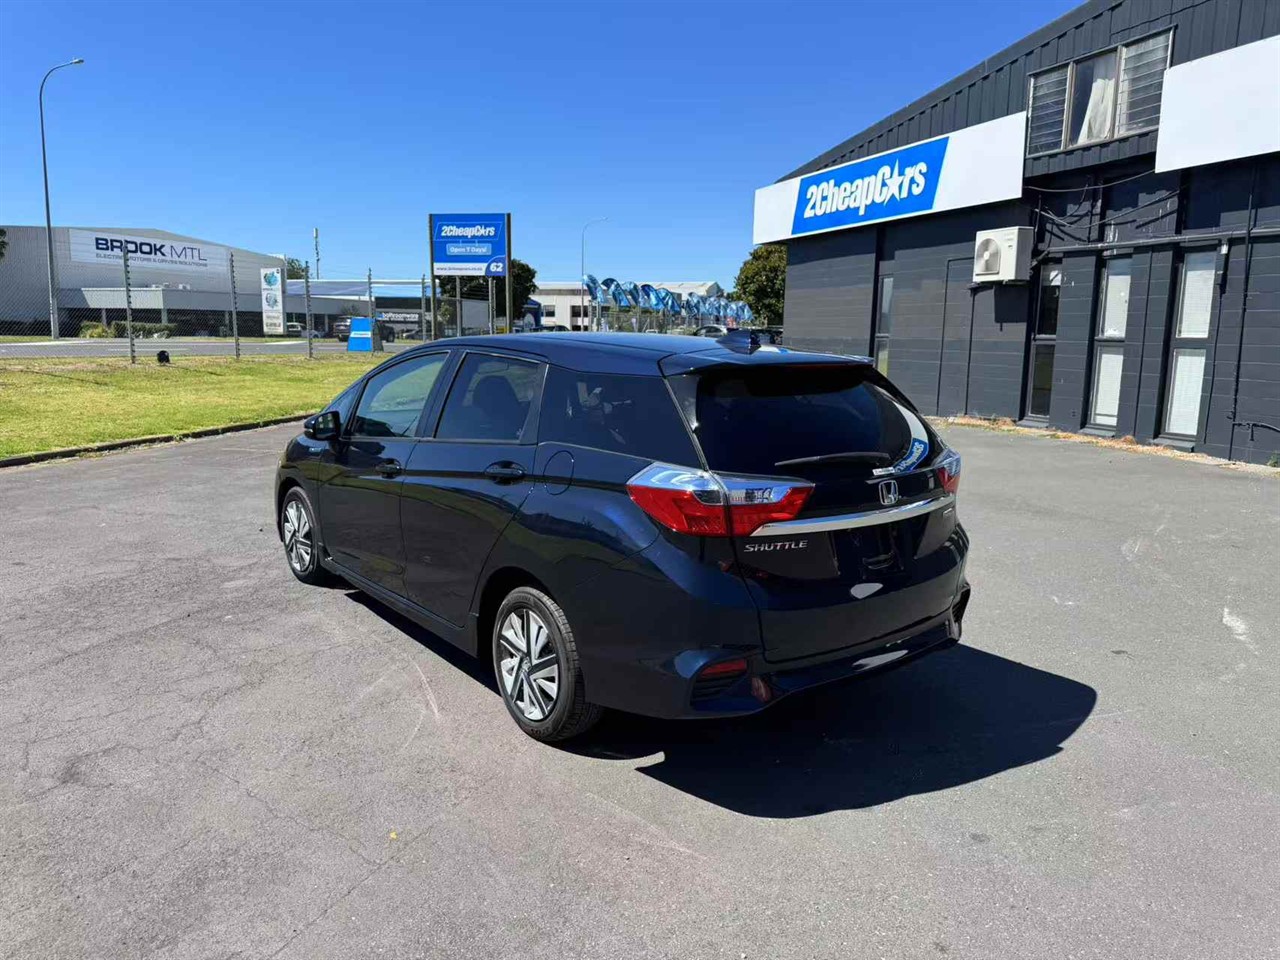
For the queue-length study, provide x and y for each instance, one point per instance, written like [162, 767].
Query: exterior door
[464, 484]
[360, 497]
[1044, 341]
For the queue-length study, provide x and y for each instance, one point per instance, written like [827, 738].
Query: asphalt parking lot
[200, 757]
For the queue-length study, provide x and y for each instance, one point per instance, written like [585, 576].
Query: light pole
[582, 272]
[48, 217]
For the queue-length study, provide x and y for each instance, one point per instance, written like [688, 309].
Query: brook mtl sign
[89, 246]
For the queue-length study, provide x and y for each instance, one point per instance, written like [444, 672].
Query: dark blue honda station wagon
[673, 526]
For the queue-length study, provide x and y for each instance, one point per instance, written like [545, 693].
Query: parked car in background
[293, 328]
[660, 524]
[342, 330]
[711, 330]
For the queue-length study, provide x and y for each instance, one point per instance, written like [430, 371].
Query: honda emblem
[888, 492]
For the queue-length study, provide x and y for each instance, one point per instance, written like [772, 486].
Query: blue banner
[470, 245]
[891, 185]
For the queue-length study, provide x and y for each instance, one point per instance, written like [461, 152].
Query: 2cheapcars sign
[90, 246]
[975, 165]
[469, 244]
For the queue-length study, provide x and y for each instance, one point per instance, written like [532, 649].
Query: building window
[548, 310]
[1190, 338]
[1108, 358]
[1048, 106]
[1044, 340]
[1110, 94]
[884, 324]
[1093, 100]
[1142, 67]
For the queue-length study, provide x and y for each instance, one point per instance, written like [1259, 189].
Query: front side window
[393, 400]
[622, 414]
[491, 399]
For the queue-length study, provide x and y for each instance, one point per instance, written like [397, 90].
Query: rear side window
[621, 414]
[491, 399]
[753, 421]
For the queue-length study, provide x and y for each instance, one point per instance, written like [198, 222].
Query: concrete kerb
[67, 453]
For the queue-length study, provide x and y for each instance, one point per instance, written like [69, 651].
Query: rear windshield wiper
[873, 457]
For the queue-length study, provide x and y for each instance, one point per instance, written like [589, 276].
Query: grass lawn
[47, 404]
[23, 338]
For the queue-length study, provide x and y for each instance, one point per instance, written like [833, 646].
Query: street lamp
[48, 218]
[582, 271]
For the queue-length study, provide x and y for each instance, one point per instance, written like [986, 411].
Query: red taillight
[949, 471]
[681, 510]
[723, 668]
[708, 505]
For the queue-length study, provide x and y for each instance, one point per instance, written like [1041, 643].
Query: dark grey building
[1137, 142]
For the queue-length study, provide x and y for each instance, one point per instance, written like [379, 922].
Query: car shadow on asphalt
[948, 719]
[442, 648]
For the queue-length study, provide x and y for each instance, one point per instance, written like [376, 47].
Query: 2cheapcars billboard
[92, 246]
[975, 165]
[469, 244]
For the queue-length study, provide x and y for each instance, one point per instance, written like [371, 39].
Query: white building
[172, 278]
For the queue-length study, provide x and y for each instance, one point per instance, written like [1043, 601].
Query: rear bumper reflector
[849, 521]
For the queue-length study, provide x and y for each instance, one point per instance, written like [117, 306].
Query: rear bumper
[767, 683]
[642, 649]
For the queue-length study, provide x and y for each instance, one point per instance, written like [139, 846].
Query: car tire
[535, 659]
[301, 539]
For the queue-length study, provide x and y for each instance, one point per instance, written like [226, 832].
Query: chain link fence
[133, 295]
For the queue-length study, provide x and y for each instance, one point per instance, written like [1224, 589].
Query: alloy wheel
[529, 664]
[297, 536]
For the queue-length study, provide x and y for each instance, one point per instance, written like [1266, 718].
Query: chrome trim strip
[849, 521]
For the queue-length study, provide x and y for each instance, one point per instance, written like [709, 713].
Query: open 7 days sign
[976, 165]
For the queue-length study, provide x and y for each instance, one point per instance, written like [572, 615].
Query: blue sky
[251, 123]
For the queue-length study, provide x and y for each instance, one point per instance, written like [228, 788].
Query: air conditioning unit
[1000, 256]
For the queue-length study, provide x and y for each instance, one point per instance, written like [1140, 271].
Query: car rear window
[622, 414]
[750, 421]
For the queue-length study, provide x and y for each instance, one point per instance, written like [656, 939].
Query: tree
[4, 242]
[477, 288]
[762, 282]
[294, 270]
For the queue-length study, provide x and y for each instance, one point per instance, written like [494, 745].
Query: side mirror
[323, 426]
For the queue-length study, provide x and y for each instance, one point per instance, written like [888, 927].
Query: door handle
[504, 472]
[389, 468]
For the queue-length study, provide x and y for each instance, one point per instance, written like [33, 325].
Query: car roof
[640, 353]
